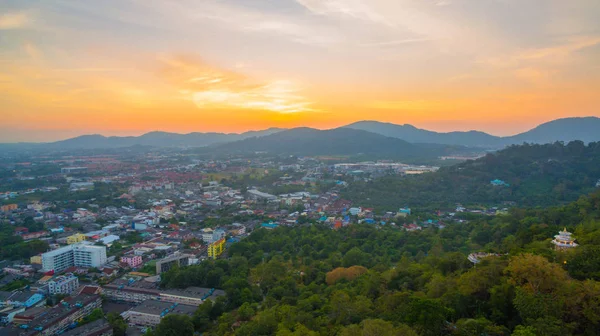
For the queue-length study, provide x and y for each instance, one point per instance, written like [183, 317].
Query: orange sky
[126, 67]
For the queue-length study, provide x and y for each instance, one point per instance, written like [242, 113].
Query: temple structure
[563, 240]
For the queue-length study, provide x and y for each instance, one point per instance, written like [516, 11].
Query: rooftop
[91, 329]
[154, 307]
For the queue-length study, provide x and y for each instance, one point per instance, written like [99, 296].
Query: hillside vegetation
[538, 175]
[416, 283]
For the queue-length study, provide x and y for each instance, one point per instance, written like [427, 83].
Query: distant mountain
[416, 135]
[155, 139]
[339, 141]
[585, 129]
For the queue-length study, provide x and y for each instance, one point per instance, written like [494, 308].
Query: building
[150, 312]
[499, 183]
[20, 299]
[8, 314]
[124, 293]
[167, 263]
[476, 257]
[36, 260]
[96, 328]
[216, 249]
[76, 238]
[81, 255]
[403, 212]
[34, 235]
[132, 261]
[71, 170]
[355, 211]
[259, 195]
[11, 207]
[64, 284]
[207, 235]
[193, 296]
[564, 240]
[63, 316]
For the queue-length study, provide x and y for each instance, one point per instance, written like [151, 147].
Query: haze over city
[128, 67]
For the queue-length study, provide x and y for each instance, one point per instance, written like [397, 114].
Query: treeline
[14, 248]
[539, 175]
[365, 280]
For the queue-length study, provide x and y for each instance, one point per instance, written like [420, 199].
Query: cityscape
[299, 168]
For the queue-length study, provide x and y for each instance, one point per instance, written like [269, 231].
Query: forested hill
[339, 141]
[537, 175]
[367, 280]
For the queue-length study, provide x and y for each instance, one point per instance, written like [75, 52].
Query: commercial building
[64, 284]
[150, 312]
[167, 263]
[216, 249]
[81, 255]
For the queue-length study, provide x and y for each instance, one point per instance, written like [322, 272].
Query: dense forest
[373, 280]
[538, 175]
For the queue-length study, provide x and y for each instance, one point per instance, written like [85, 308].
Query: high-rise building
[82, 255]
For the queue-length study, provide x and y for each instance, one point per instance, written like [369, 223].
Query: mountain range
[586, 129]
[374, 135]
[338, 141]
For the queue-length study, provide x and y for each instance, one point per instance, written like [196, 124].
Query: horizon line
[142, 133]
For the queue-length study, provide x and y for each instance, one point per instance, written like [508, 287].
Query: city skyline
[129, 67]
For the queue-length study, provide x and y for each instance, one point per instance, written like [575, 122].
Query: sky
[126, 67]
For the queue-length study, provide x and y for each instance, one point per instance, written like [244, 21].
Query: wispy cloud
[356, 9]
[14, 20]
[211, 87]
[552, 54]
[396, 42]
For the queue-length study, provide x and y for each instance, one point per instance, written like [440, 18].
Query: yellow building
[216, 249]
[76, 238]
[36, 259]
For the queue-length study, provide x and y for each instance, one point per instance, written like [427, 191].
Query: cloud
[553, 54]
[396, 42]
[14, 20]
[32, 51]
[356, 9]
[212, 87]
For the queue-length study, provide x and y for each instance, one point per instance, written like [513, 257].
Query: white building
[89, 255]
[82, 255]
[64, 284]
[207, 235]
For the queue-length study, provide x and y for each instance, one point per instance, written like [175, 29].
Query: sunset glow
[126, 67]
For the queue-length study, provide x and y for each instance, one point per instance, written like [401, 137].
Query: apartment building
[169, 262]
[81, 255]
[64, 284]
